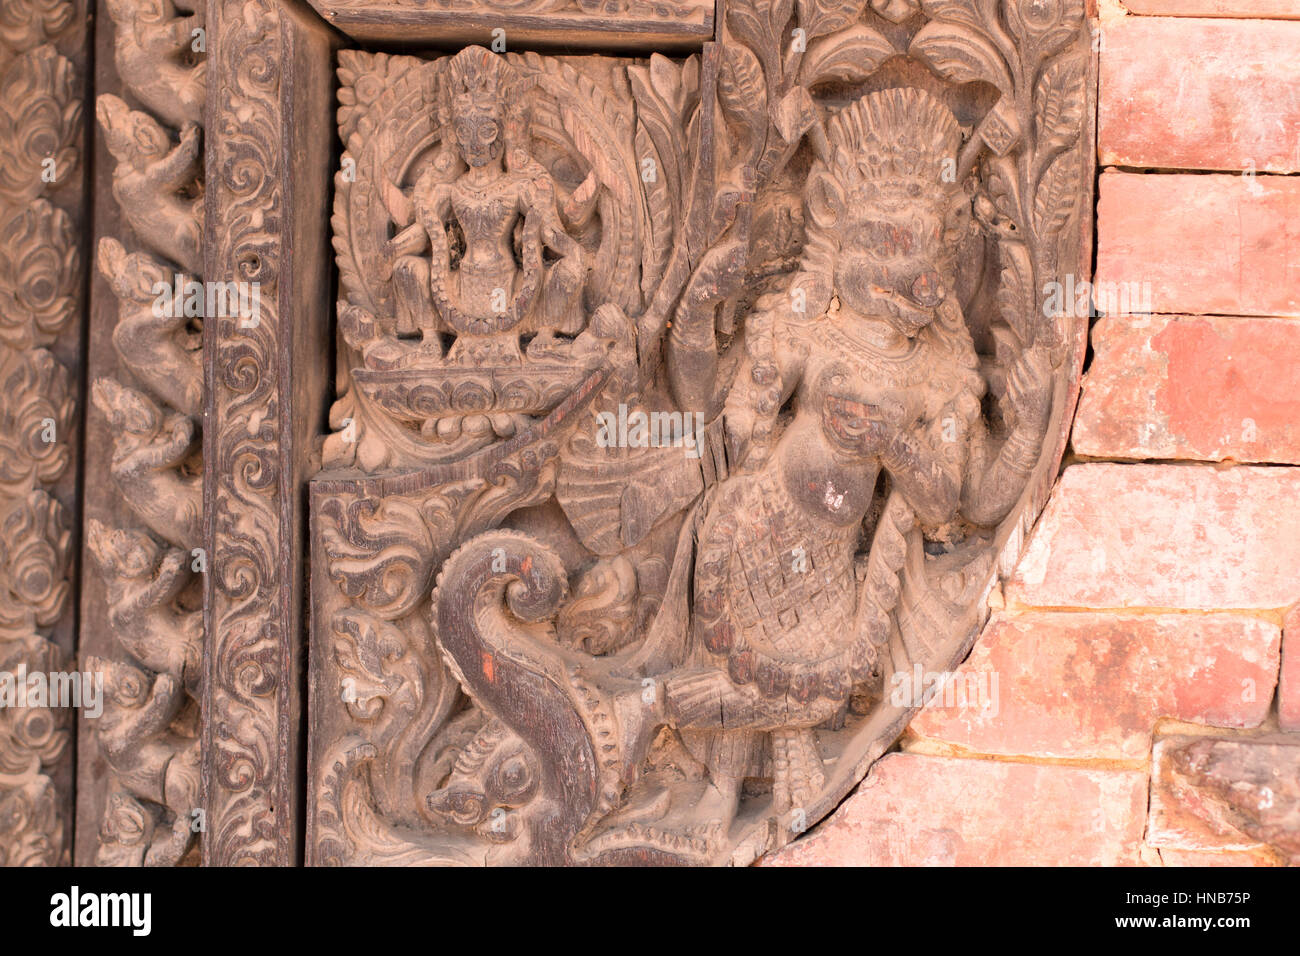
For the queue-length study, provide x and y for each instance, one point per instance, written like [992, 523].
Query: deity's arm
[995, 481]
[537, 200]
[993, 487]
[927, 472]
[432, 210]
[764, 380]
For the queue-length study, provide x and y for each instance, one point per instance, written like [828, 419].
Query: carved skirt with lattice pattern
[775, 601]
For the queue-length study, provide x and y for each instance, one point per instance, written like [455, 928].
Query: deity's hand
[1029, 390]
[397, 203]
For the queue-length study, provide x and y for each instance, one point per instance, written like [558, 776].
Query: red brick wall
[1142, 665]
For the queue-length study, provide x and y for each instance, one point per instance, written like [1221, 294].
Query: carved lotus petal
[37, 407]
[40, 117]
[25, 24]
[38, 275]
[896, 11]
[33, 559]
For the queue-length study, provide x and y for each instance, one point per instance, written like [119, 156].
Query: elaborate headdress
[894, 143]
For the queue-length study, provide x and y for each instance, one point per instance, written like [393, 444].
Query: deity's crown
[476, 77]
[894, 143]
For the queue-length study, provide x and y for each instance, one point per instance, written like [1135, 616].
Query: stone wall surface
[1135, 696]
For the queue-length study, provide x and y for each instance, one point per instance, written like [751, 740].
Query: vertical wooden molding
[42, 82]
[141, 626]
[269, 89]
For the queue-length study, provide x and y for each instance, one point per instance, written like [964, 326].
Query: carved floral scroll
[682, 405]
[42, 72]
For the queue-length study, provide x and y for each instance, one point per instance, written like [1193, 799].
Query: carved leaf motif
[956, 11]
[40, 119]
[850, 56]
[1058, 99]
[1056, 196]
[741, 88]
[961, 55]
[1015, 297]
[1042, 26]
[820, 17]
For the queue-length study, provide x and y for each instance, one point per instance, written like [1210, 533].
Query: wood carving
[149, 732]
[150, 175]
[41, 76]
[268, 165]
[151, 763]
[685, 403]
[154, 47]
[590, 24]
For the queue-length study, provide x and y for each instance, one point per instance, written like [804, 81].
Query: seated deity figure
[471, 257]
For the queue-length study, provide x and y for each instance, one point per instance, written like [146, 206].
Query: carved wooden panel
[573, 24]
[43, 58]
[682, 403]
[141, 624]
[268, 159]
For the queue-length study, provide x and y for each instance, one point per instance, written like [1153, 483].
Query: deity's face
[897, 259]
[478, 132]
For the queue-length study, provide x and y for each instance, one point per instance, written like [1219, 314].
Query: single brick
[1165, 536]
[1288, 692]
[1278, 9]
[916, 810]
[1226, 793]
[1200, 94]
[1094, 685]
[1201, 244]
[1206, 388]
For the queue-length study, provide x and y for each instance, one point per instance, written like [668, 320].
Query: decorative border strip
[42, 76]
[268, 84]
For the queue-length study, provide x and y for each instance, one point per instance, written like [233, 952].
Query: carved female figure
[862, 380]
[504, 205]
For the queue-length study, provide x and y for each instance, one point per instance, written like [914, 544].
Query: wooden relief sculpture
[684, 404]
[148, 736]
[41, 168]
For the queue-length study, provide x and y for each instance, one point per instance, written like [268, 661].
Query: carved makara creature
[149, 447]
[156, 344]
[155, 182]
[151, 764]
[143, 585]
[160, 56]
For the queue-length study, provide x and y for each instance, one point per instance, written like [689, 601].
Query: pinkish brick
[1094, 685]
[1192, 387]
[1200, 94]
[1288, 692]
[916, 810]
[1165, 536]
[1278, 9]
[1204, 245]
[1226, 793]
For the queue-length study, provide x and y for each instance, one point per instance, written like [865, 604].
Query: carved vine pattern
[241, 772]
